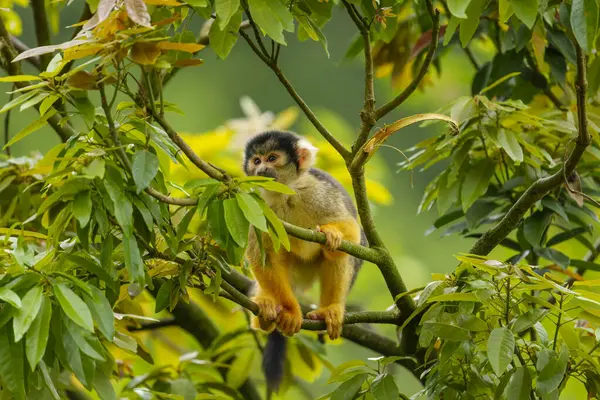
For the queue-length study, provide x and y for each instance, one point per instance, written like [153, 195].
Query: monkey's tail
[273, 363]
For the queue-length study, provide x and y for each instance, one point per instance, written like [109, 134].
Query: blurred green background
[209, 95]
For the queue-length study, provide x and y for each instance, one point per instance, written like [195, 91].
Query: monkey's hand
[268, 307]
[333, 234]
[333, 315]
[289, 320]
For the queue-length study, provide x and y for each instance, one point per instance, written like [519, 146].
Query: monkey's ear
[307, 154]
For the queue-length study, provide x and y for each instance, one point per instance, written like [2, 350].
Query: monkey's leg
[276, 298]
[336, 275]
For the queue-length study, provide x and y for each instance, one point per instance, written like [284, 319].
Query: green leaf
[144, 169]
[526, 11]
[468, 27]
[505, 10]
[225, 9]
[585, 265]
[102, 312]
[275, 187]
[163, 296]
[12, 365]
[273, 17]
[205, 197]
[348, 389]
[500, 349]
[29, 129]
[275, 223]
[122, 206]
[133, 260]
[447, 331]
[236, 222]
[16, 101]
[25, 315]
[551, 369]
[535, 226]
[519, 386]
[510, 144]
[584, 22]
[74, 307]
[85, 107]
[252, 211]
[454, 297]
[223, 40]
[216, 223]
[564, 236]
[528, 320]
[37, 336]
[33, 101]
[458, 7]
[240, 369]
[553, 255]
[312, 30]
[19, 78]
[383, 387]
[10, 297]
[47, 103]
[476, 182]
[82, 207]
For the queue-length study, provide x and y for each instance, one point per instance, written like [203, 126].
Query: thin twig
[7, 126]
[153, 325]
[401, 98]
[86, 14]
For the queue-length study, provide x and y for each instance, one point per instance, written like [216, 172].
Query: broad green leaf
[454, 297]
[10, 297]
[47, 103]
[82, 207]
[510, 144]
[223, 40]
[275, 187]
[18, 100]
[475, 324]
[340, 371]
[348, 389]
[33, 101]
[272, 16]
[519, 386]
[468, 27]
[565, 235]
[452, 25]
[95, 169]
[163, 296]
[312, 30]
[216, 223]
[12, 362]
[252, 211]
[48, 380]
[25, 315]
[553, 255]
[236, 222]
[225, 9]
[585, 265]
[505, 10]
[500, 349]
[19, 78]
[584, 22]
[133, 260]
[275, 223]
[102, 312]
[78, 336]
[74, 307]
[29, 129]
[383, 387]
[37, 335]
[458, 7]
[104, 387]
[476, 182]
[528, 320]
[85, 107]
[535, 226]
[144, 168]
[447, 331]
[526, 11]
[551, 369]
[240, 369]
[122, 205]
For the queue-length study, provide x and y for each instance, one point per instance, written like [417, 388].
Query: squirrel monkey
[320, 203]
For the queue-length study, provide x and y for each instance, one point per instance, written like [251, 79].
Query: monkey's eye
[256, 161]
[272, 158]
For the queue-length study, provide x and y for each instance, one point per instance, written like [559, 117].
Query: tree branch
[86, 14]
[42, 30]
[490, 239]
[20, 47]
[153, 325]
[401, 98]
[345, 153]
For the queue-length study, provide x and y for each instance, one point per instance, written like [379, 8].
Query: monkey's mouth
[267, 172]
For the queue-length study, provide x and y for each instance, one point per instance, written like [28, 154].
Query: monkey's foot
[259, 323]
[289, 321]
[333, 235]
[333, 315]
[268, 308]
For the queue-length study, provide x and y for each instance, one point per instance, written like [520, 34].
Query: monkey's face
[273, 164]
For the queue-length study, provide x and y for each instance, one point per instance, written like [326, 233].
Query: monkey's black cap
[273, 140]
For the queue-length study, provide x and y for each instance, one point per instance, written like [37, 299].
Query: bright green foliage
[123, 223]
